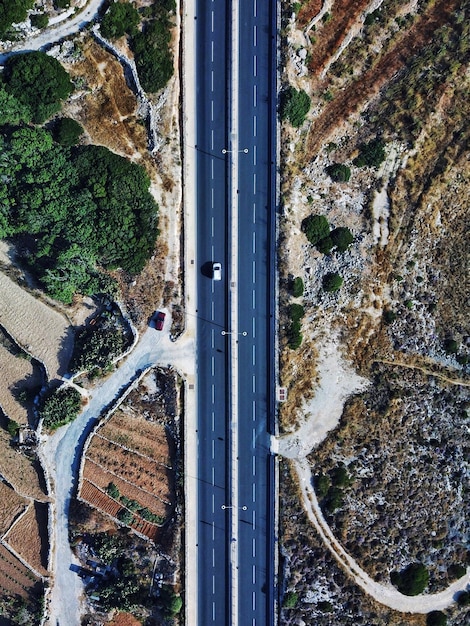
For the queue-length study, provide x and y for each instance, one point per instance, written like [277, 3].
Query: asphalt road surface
[256, 142]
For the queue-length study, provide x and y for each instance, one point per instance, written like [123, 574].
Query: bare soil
[11, 506]
[15, 578]
[23, 473]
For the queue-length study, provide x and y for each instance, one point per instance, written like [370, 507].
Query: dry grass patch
[40, 330]
[11, 505]
[28, 537]
[20, 471]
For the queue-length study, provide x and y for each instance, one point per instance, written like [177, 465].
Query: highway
[235, 478]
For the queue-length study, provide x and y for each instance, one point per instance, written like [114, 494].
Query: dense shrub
[371, 154]
[39, 20]
[412, 580]
[325, 245]
[96, 348]
[298, 287]
[290, 600]
[316, 228]
[342, 238]
[153, 58]
[332, 282]
[451, 346]
[294, 106]
[59, 406]
[389, 316]
[120, 18]
[294, 335]
[67, 131]
[339, 172]
[39, 82]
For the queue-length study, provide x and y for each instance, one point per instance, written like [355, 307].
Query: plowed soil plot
[130, 466]
[135, 433]
[11, 505]
[15, 578]
[29, 537]
[101, 478]
[98, 499]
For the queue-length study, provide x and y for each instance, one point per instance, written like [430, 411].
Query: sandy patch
[38, 329]
[337, 381]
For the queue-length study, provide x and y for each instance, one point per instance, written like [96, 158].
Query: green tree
[412, 580]
[316, 228]
[339, 172]
[38, 81]
[325, 245]
[371, 154]
[322, 484]
[12, 111]
[436, 618]
[113, 491]
[332, 282]
[13, 12]
[294, 106]
[153, 58]
[451, 346]
[342, 238]
[67, 131]
[120, 18]
[296, 312]
[39, 20]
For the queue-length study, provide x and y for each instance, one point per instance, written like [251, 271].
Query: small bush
[294, 336]
[332, 282]
[342, 238]
[322, 484]
[325, 245]
[456, 570]
[39, 20]
[339, 172]
[389, 316]
[316, 228]
[296, 312]
[125, 516]
[298, 287]
[294, 106]
[290, 600]
[60, 406]
[113, 491]
[436, 618]
[451, 346]
[463, 598]
[334, 499]
[325, 607]
[412, 580]
[12, 427]
[370, 154]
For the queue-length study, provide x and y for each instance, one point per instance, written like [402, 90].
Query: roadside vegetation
[13, 12]
[59, 406]
[76, 211]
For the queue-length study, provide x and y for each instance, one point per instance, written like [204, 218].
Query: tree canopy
[39, 82]
[315, 227]
[153, 58]
[76, 209]
[13, 12]
[294, 106]
[120, 18]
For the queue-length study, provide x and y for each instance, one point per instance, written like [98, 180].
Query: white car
[216, 271]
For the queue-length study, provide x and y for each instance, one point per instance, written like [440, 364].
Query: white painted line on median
[212, 197]
[212, 81]
[212, 309]
[253, 601]
[213, 531]
[253, 437]
[213, 480]
[254, 125]
[212, 168]
[213, 449]
[213, 509]
[254, 212]
[254, 36]
[254, 95]
[254, 243]
[254, 8]
[253, 299]
[212, 21]
[212, 138]
[212, 338]
[254, 492]
[253, 355]
[212, 51]
[213, 611]
[213, 583]
[253, 271]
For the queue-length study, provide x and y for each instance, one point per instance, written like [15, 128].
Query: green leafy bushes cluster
[67, 131]
[12, 12]
[121, 18]
[412, 580]
[370, 154]
[339, 172]
[77, 210]
[59, 406]
[96, 348]
[290, 600]
[317, 231]
[330, 488]
[294, 106]
[37, 81]
[332, 282]
[126, 515]
[39, 20]
[294, 335]
[153, 57]
[297, 287]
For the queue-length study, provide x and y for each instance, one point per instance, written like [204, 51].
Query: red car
[159, 320]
